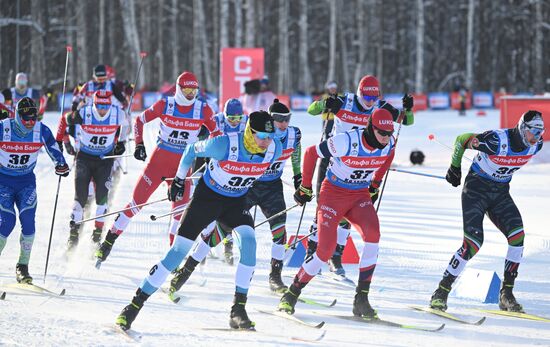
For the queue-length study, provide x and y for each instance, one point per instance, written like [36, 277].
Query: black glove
[119, 148]
[303, 195]
[333, 104]
[373, 193]
[297, 180]
[453, 176]
[69, 148]
[62, 170]
[408, 102]
[74, 118]
[139, 152]
[177, 188]
[4, 114]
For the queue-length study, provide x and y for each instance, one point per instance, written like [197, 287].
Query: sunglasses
[29, 115]
[384, 132]
[262, 135]
[234, 117]
[187, 91]
[370, 98]
[281, 117]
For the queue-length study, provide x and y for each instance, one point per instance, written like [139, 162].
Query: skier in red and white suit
[359, 160]
[181, 116]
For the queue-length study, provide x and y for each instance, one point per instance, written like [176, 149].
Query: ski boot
[507, 300]
[228, 251]
[289, 299]
[22, 274]
[361, 305]
[238, 319]
[96, 236]
[183, 274]
[73, 238]
[335, 263]
[311, 248]
[275, 281]
[130, 312]
[440, 295]
[105, 249]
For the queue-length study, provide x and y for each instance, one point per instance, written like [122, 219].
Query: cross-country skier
[181, 119]
[20, 90]
[267, 193]
[96, 129]
[359, 160]
[487, 192]
[352, 111]
[83, 95]
[20, 142]
[237, 160]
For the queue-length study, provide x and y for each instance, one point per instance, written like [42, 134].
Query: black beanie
[261, 121]
[278, 108]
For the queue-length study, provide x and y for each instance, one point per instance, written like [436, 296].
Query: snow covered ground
[421, 228]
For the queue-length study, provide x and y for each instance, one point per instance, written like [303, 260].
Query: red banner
[512, 107]
[420, 102]
[238, 65]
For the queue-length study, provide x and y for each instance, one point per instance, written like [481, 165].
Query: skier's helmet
[21, 81]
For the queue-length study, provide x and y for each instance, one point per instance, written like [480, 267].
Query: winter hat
[233, 107]
[533, 122]
[187, 80]
[382, 119]
[100, 71]
[368, 86]
[102, 97]
[261, 121]
[278, 108]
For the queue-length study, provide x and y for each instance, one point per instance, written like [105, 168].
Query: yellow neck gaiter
[249, 142]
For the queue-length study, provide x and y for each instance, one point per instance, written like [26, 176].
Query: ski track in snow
[421, 228]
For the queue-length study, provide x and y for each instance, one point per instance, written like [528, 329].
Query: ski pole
[164, 178]
[431, 137]
[416, 173]
[276, 215]
[299, 224]
[142, 56]
[296, 240]
[115, 212]
[116, 156]
[255, 208]
[177, 211]
[387, 173]
[69, 49]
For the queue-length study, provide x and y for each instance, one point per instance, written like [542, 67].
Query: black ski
[448, 315]
[388, 323]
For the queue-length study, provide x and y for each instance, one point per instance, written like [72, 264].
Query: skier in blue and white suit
[20, 142]
[232, 119]
[237, 161]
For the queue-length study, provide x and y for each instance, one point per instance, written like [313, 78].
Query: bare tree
[304, 82]
[101, 33]
[333, 5]
[538, 61]
[38, 66]
[250, 32]
[224, 19]
[419, 72]
[283, 53]
[470, 44]
[131, 32]
[175, 41]
[238, 23]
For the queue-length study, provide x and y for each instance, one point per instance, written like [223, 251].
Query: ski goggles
[234, 117]
[536, 132]
[281, 117]
[188, 91]
[384, 133]
[263, 135]
[102, 106]
[370, 98]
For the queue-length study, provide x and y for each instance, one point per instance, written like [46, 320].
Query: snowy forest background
[411, 45]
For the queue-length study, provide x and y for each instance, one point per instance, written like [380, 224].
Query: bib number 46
[98, 140]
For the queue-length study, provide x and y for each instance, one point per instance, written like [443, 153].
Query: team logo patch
[233, 149]
[268, 127]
